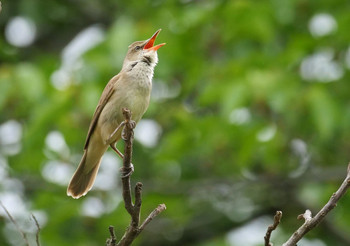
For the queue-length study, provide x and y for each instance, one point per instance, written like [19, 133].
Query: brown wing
[106, 94]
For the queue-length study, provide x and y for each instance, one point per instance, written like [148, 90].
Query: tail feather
[83, 178]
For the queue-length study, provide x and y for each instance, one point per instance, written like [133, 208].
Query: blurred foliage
[251, 98]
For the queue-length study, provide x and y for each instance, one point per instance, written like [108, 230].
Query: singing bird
[131, 89]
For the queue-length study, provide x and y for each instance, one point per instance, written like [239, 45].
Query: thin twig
[271, 228]
[112, 240]
[155, 212]
[138, 192]
[24, 236]
[138, 202]
[310, 222]
[37, 231]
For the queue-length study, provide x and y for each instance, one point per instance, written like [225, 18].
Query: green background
[250, 114]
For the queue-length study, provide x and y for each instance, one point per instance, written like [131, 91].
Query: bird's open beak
[149, 44]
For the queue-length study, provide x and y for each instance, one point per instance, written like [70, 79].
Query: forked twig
[134, 229]
[312, 222]
[24, 236]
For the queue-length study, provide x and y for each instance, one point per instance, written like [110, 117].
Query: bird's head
[143, 51]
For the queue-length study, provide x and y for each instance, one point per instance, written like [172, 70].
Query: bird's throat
[142, 74]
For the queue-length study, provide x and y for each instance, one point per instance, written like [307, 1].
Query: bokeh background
[250, 114]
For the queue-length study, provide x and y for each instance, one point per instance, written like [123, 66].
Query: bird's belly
[136, 100]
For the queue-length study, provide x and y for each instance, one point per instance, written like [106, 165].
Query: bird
[131, 89]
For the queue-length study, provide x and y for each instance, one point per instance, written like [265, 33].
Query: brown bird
[131, 89]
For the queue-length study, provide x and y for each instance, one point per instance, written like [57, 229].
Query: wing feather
[106, 94]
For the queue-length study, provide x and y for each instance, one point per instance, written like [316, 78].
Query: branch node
[307, 216]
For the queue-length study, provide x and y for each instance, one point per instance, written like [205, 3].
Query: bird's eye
[137, 48]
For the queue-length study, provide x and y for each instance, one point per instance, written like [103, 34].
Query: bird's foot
[126, 172]
[131, 124]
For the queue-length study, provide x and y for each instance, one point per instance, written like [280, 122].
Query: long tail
[84, 176]
[82, 181]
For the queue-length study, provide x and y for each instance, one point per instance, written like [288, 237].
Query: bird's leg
[122, 169]
[113, 133]
[116, 150]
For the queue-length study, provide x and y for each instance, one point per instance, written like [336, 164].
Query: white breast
[143, 74]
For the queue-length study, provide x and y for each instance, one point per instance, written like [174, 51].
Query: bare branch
[271, 228]
[310, 222]
[134, 210]
[38, 230]
[24, 236]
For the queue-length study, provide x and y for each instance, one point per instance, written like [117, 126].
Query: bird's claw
[124, 137]
[126, 172]
[132, 124]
